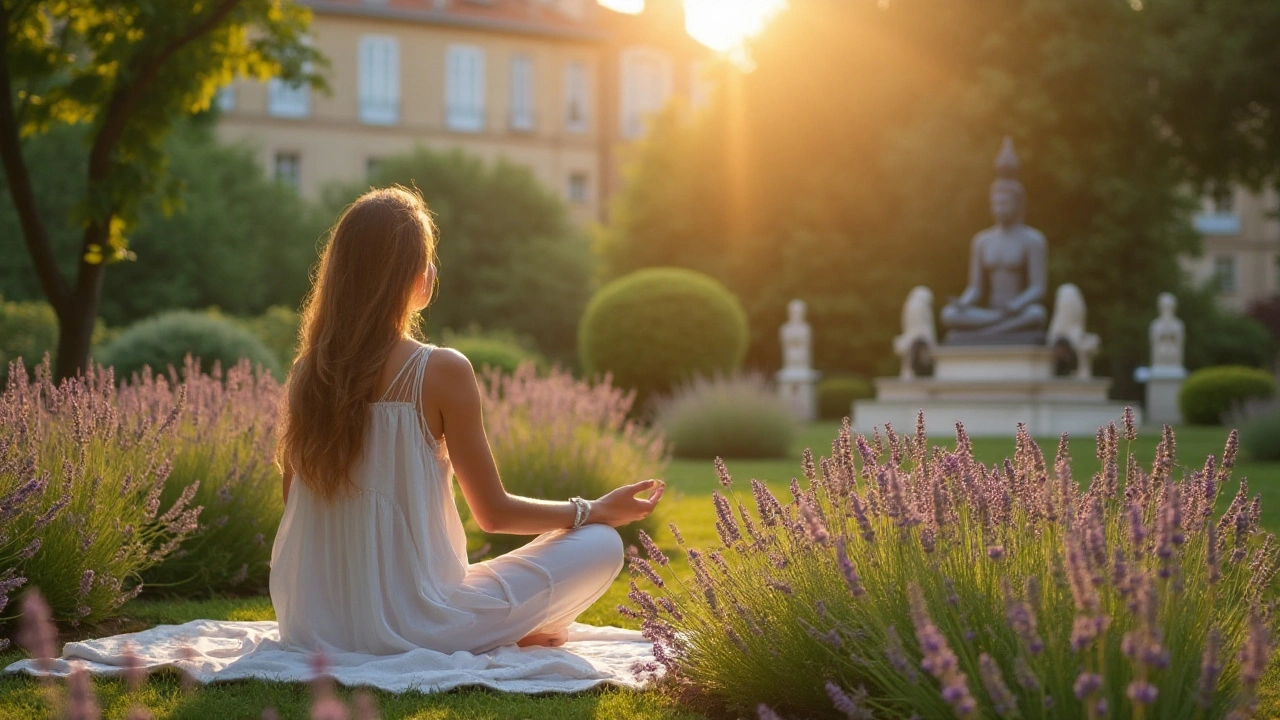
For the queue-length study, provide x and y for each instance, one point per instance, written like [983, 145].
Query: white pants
[545, 584]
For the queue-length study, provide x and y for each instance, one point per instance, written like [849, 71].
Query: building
[1241, 256]
[554, 85]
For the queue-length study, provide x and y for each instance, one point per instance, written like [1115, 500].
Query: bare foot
[551, 638]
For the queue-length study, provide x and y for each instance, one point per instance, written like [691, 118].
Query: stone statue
[1008, 274]
[1168, 335]
[797, 380]
[1073, 348]
[915, 344]
[797, 339]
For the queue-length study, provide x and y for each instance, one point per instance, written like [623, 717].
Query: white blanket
[224, 650]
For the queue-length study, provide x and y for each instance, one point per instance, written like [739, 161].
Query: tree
[129, 72]
[854, 161]
[509, 258]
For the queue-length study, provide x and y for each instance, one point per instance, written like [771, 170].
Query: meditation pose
[371, 556]
[1008, 272]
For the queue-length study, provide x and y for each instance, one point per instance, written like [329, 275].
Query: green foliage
[81, 496]
[658, 327]
[499, 350]
[1212, 391]
[836, 395]
[229, 237]
[28, 330]
[277, 328]
[224, 441]
[509, 259]
[1222, 337]
[1260, 437]
[892, 586]
[556, 437]
[166, 339]
[783, 188]
[736, 416]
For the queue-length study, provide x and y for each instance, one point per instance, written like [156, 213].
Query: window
[1224, 274]
[646, 85]
[1217, 215]
[225, 99]
[576, 97]
[286, 100]
[521, 92]
[379, 80]
[464, 88]
[288, 168]
[579, 191]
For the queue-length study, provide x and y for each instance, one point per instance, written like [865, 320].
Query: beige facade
[1241, 249]
[520, 79]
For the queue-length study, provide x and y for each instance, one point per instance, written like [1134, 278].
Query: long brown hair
[358, 309]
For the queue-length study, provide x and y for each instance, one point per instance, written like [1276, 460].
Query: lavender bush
[223, 441]
[555, 437]
[902, 580]
[736, 416]
[81, 479]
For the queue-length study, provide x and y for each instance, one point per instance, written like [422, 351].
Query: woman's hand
[622, 506]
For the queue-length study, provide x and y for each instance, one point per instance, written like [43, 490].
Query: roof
[523, 17]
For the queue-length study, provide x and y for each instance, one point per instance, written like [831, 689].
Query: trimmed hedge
[1210, 392]
[1260, 437]
[738, 416]
[168, 338]
[28, 330]
[657, 327]
[836, 395]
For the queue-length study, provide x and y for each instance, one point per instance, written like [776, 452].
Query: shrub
[836, 395]
[737, 416]
[81, 478]
[225, 439]
[907, 581]
[166, 339]
[500, 350]
[657, 327]
[555, 437]
[1261, 436]
[277, 329]
[1210, 392]
[28, 330]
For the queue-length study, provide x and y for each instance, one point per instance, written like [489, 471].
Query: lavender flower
[850, 707]
[766, 504]
[652, 550]
[1141, 692]
[1005, 704]
[1130, 426]
[864, 523]
[938, 660]
[807, 465]
[1086, 684]
[897, 655]
[995, 552]
[81, 703]
[764, 712]
[723, 472]
[1022, 620]
[675, 532]
[1210, 668]
[726, 525]
[644, 568]
[815, 531]
[1256, 652]
[847, 569]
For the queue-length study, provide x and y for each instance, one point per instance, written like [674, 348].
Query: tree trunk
[77, 319]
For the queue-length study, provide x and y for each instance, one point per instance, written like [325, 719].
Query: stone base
[982, 337]
[1162, 400]
[997, 363]
[799, 390]
[989, 416]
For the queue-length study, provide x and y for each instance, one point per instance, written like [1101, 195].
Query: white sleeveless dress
[384, 569]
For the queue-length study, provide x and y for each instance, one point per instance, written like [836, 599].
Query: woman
[371, 554]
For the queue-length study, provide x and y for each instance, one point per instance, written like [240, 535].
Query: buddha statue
[1008, 273]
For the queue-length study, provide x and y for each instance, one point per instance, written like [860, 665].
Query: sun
[722, 25]
[725, 25]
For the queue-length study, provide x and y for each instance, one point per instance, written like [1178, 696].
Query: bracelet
[582, 509]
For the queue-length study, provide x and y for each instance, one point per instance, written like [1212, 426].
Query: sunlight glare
[725, 24]
[631, 7]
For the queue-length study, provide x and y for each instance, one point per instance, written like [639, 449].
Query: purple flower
[652, 550]
[726, 525]
[1006, 705]
[1130, 426]
[1256, 652]
[723, 472]
[36, 631]
[847, 569]
[996, 552]
[764, 712]
[1229, 452]
[1087, 683]
[850, 707]
[644, 568]
[86, 584]
[675, 532]
[814, 530]
[1141, 692]
[1022, 620]
[806, 463]
[1085, 629]
[864, 523]
[1210, 668]
[897, 655]
[766, 504]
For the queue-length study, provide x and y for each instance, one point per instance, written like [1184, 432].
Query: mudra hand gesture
[624, 505]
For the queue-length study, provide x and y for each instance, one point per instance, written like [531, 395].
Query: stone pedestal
[1164, 383]
[798, 387]
[992, 388]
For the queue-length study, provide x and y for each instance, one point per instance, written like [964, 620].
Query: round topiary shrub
[1210, 392]
[736, 416]
[836, 395]
[168, 338]
[656, 327]
[1260, 437]
[501, 351]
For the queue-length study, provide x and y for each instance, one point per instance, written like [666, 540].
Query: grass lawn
[688, 506]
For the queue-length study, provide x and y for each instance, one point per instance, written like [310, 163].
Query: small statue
[1073, 348]
[915, 344]
[797, 339]
[1168, 335]
[1008, 273]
